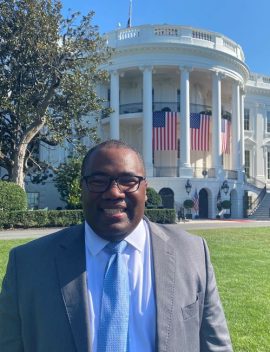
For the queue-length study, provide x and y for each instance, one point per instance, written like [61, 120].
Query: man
[52, 295]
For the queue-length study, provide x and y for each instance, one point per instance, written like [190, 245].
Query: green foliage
[67, 182]
[52, 218]
[12, 197]
[188, 204]
[161, 216]
[154, 200]
[41, 218]
[48, 76]
[226, 204]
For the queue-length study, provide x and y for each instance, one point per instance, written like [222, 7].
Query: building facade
[218, 144]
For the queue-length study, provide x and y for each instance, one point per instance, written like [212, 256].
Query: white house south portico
[183, 70]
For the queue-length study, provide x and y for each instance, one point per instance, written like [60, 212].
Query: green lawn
[241, 258]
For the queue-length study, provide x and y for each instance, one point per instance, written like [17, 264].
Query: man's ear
[146, 185]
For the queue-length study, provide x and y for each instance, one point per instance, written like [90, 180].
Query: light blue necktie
[114, 314]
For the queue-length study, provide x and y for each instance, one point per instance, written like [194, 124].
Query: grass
[241, 258]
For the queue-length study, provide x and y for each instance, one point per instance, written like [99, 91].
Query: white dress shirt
[138, 255]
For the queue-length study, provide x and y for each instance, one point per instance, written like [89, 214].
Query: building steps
[263, 210]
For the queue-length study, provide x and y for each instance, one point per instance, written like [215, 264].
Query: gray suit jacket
[44, 303]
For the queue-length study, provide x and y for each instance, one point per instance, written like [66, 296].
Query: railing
[259, 80]
[159, 106]
[173, 34]
[163, 171]
[254, 182]
[254, 205]
[200, 172]
[231, 174]
[130, 108]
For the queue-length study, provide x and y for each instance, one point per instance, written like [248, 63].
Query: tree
[49, 68]
[67, 182]
[153, 198]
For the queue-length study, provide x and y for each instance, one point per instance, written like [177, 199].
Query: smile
[113, 211]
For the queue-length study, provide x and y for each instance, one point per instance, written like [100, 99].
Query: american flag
[196, 201]
[199, 131]
[225, 136]
[164, 130]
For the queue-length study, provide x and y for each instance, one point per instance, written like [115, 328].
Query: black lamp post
[188, 186]
[225, 187]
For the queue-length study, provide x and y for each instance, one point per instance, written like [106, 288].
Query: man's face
[113, 214]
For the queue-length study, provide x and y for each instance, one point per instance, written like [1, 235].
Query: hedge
[12, 197]
[64, 218]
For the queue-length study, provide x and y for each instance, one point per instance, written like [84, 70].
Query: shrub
[188, 204]
[161, 216]
[41, 218]
[59, 218]
[153, 198]
[226, 204]
[67, 182]
[12, 197]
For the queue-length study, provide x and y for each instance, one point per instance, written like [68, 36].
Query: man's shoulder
[174, 234]
[52, 240]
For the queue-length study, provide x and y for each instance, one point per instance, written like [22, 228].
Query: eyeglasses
[101, 183]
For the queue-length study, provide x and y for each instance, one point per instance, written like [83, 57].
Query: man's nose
[114, 190]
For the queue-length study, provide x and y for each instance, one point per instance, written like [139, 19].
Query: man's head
[113, 189]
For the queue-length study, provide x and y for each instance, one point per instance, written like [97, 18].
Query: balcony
[132, 108]
[158, 34]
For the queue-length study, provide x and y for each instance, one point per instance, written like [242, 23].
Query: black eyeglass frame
[112, 179]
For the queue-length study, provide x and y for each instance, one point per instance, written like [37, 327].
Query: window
[178, 99]
[247, 163]
[249, 202]
[246, 120]
[268, 165]
[33, 200]
[268, 122]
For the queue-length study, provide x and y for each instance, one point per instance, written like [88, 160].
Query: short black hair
[107, 144]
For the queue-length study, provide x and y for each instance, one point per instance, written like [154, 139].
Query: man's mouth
[113, 211]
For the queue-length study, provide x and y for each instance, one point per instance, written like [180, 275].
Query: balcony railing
[164, 171]
[231, 174]
[131, 108]
[200, 172]
[137, 107]
[149, 34]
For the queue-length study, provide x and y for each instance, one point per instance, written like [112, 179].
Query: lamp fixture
[225, 187]
[188, 186]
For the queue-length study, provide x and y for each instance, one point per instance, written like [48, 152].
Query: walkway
[189, 225]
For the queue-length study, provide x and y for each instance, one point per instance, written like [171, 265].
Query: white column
[242, 136]
[147, 120]
[236, 119]
[114, 119]
[216, 122]
[185, 169]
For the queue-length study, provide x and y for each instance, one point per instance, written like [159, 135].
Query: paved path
[189, 225]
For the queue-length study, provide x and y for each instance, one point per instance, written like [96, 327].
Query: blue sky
[243, 21]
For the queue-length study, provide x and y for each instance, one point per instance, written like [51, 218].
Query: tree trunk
[20, 154]
[17, 175]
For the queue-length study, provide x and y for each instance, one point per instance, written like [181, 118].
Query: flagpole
[129, 23]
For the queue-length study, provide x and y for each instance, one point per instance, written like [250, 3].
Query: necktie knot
[116, 247]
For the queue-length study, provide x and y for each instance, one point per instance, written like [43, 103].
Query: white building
[187, 71]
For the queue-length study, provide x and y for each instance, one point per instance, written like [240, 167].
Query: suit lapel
[164, 270]
[71, 267]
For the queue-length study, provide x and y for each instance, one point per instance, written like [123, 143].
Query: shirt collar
[95, 243]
